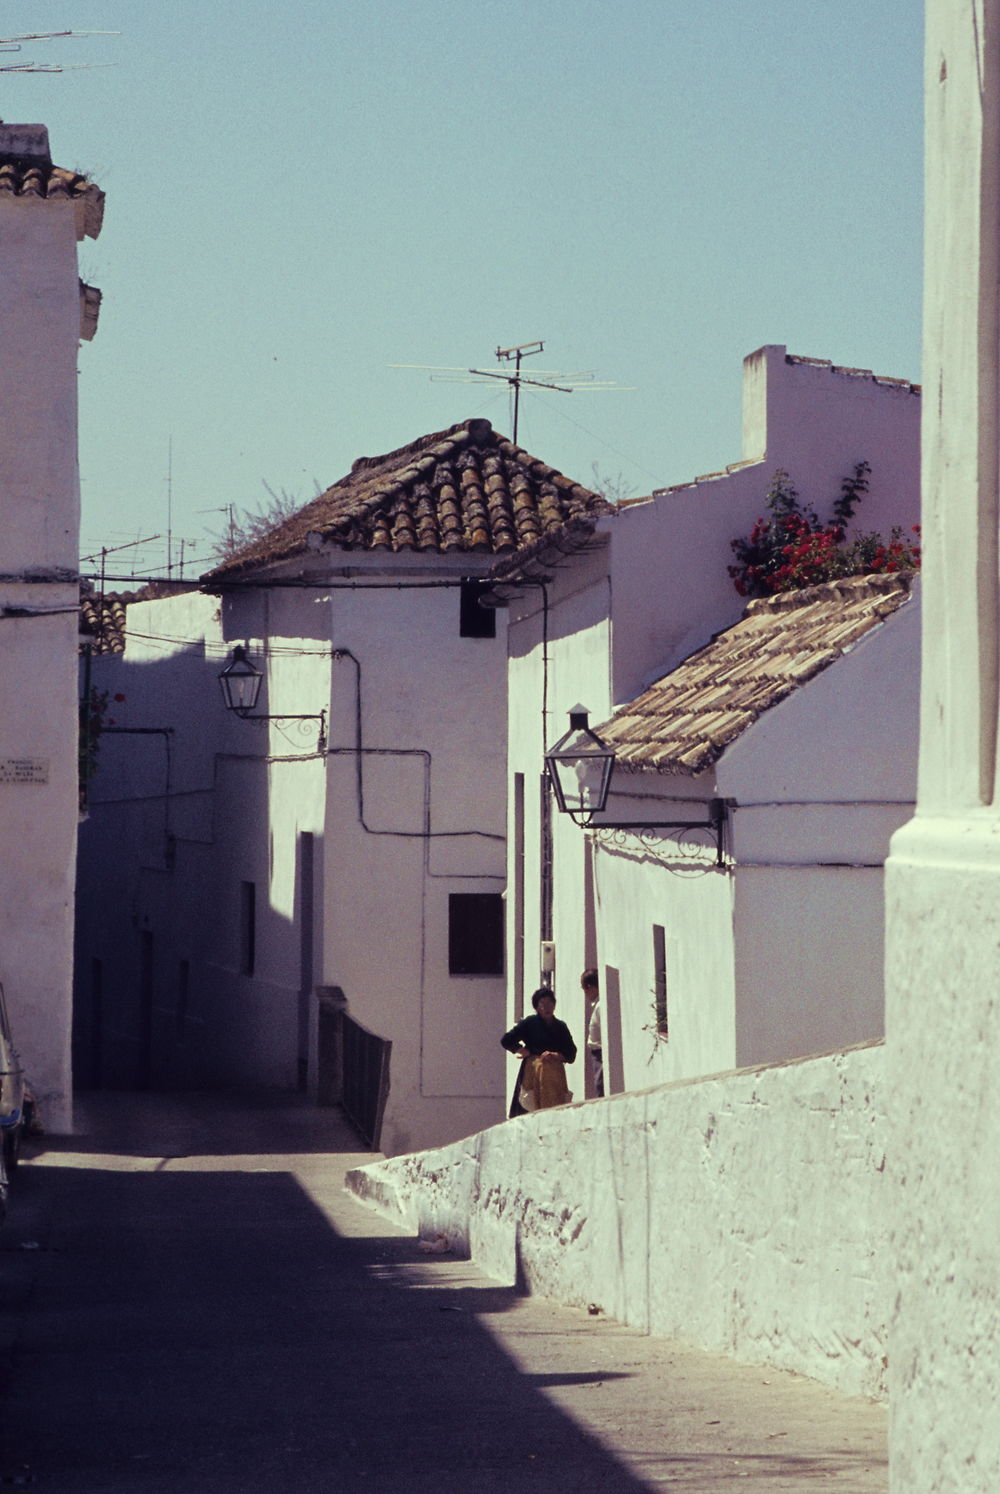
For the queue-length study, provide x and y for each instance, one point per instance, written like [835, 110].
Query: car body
[12, 1092]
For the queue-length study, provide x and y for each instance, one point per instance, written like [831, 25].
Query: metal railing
[353, 1065]
[366, 1079]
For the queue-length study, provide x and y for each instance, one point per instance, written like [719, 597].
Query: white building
[763, 941]
[44, 212]
[228, 870]
[609, 607]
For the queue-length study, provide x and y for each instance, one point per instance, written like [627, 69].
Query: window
[660, 980]
[475, 933]
[475, 621]
[248, 927]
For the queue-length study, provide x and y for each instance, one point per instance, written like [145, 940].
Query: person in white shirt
[591, 990]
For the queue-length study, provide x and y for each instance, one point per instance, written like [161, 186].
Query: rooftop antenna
[516, 379]
[10, 44]
[568, 383]
[170, 505]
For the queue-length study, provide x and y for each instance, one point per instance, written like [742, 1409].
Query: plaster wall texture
[177, 823]
[38, 823]
[425, 820]
[821, 782]
[943, 875]
[633, 892]
[809, 945]
[548, 672]
[743, 1213]
[806, 415]
[38, 400]
[39, 525]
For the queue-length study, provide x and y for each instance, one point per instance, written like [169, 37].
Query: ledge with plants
[790, 547]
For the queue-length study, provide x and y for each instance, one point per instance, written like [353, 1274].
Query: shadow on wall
[177, 944]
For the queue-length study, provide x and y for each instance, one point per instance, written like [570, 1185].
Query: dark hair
[542, 991]
[589, 978]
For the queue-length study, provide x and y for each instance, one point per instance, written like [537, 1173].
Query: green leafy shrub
[791, 548]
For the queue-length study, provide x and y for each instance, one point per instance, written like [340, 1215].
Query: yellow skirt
[544, 1084]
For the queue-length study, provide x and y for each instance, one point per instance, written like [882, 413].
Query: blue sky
[301, 196]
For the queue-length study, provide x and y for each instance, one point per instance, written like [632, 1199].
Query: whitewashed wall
[38, 821]
[669, 583]
[822, 782]
[248, 804]
[743, 1213]
[943, 877]
[177, 822]
[433, 721]
[38, 401]
[634, 892]
[39, 537]
[577, 620]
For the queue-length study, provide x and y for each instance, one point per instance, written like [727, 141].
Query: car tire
[11, 1150]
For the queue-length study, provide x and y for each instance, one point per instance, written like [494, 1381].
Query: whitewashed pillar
[943, 876]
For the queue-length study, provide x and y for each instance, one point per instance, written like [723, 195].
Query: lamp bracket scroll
[579, 768]
[240, 682]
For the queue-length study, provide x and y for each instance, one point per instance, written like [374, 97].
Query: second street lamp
[579, 767]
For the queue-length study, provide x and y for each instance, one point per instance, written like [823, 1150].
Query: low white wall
[741, 1213]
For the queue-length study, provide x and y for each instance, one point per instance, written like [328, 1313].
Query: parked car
[12, 1094]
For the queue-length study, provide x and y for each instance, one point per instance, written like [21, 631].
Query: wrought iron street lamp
[580, 766]
[240, 682]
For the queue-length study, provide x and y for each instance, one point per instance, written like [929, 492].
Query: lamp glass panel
[582, 778]
[240, 685]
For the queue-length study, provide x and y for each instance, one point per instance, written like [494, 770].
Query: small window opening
[660, 981]
[475, 621]
[475, 933]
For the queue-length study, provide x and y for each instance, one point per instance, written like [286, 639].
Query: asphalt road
[190, 1302]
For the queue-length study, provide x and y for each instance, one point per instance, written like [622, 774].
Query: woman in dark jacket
[542, 1036]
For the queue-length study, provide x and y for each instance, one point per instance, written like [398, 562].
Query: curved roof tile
[463, 489]
[686, 720]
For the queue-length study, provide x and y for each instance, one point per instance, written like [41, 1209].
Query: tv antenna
[563, 383]
[10, 44]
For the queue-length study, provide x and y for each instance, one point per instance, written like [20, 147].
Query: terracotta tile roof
[102, 618]
[467, 489]
[543, 553]
[102, 621]
[684, 722]
[40, 179]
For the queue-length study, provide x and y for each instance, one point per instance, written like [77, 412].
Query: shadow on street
[204, 1327]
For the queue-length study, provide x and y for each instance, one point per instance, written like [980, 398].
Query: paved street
[189, 1302]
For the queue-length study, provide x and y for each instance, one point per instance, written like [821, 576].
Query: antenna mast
[13, 44]
[568, 382]
[516, 379]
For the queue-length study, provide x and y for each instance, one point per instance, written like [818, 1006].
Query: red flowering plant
[792, 548]
[94, 719]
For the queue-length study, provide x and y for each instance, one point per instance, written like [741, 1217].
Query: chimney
[24, 145]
